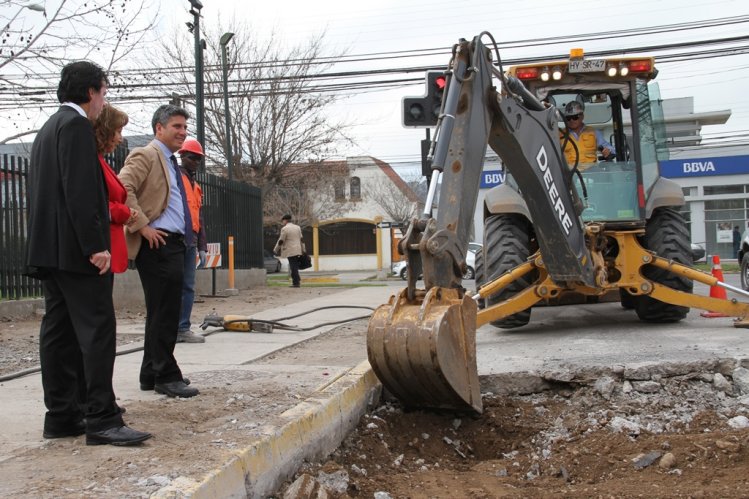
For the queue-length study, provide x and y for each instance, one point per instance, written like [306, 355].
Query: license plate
[587, 66]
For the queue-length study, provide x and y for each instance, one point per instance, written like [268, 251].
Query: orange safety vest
[194, 201]
[586, 147]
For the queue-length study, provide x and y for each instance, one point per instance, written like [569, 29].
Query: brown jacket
[290, 241]
[146, 178]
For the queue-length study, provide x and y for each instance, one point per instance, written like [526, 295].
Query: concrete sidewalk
[325, 417]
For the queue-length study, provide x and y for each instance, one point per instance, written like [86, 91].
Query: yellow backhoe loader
[556, 227]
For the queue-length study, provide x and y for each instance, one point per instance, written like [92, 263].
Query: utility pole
[224, 66]
[194, 27]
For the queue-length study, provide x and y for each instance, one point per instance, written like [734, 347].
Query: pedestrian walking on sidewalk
[291, 247]
[157, 241]
[191, 155]
[736, 241]
[68, 249]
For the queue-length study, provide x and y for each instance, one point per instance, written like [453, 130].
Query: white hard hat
[573, 108]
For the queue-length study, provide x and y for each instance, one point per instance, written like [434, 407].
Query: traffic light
[424, 111]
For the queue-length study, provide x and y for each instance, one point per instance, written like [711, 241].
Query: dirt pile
[680, 436]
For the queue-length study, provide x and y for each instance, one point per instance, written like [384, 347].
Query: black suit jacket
[68, 205]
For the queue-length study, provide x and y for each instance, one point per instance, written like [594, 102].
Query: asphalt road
[604, 334]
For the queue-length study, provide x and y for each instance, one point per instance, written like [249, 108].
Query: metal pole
[199, 113]
[224, 66]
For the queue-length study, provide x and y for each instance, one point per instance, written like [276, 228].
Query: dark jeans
[161, 270]
[77, 348]
[188, 290]
[294, 270]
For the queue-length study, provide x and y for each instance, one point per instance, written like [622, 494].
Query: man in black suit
[68, 248]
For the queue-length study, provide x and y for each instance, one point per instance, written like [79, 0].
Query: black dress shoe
[120, 435]
[176, 389]
[72, 431]
[146, 387]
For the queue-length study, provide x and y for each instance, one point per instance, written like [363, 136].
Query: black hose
[280, 325]
[276, 323]
[32, 370]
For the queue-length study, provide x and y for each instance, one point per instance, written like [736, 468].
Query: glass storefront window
[689, 191]
[711, 190]
[721, 216]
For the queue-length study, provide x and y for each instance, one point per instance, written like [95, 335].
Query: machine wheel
[745, 272]
[627, 300]
[470, 274]
[479, 274]
[507, 244]
[666, 234]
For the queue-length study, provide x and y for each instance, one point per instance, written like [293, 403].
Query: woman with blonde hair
[108, 128]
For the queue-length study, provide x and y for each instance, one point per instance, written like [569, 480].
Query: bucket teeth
[424, 352]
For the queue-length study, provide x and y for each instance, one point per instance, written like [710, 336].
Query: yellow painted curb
[314, 429]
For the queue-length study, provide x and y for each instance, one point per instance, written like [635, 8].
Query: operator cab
[620, 103]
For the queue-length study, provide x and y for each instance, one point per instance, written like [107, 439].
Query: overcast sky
[406, 25]
[409, 25]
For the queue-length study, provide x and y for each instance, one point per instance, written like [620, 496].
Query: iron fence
[230, 209]
[13, 284]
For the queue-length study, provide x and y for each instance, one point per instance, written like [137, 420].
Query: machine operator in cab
[588, 140]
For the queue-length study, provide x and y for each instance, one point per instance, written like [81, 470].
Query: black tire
[479, 273]
[745, 272]
[666, 234]
[404, 273]
[627, 300]
[470, 274]
[507, 244]
[278, 267]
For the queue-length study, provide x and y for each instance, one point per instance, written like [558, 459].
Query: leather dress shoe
[75, 430]
[176, 389]
[120, 435]
[149, 386]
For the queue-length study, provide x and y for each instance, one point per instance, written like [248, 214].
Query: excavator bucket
[424, 351]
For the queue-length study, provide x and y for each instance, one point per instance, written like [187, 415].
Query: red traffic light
[440, 82]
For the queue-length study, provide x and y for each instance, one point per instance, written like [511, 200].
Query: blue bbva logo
[492, 178]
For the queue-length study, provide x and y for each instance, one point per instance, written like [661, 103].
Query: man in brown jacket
[157, 243]
[290, 246]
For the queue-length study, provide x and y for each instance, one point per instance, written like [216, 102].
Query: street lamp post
[196, 6]
[224, 41]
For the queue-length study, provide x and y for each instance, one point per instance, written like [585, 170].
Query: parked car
[698, 252]
[401, 268]
[270, 262]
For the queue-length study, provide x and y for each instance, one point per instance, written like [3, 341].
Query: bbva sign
[698, 167]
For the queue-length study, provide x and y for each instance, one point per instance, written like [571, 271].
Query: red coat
[119, 213]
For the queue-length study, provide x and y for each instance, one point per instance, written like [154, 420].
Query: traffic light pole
[426, 165]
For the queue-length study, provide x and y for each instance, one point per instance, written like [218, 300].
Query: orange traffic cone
[716, 291]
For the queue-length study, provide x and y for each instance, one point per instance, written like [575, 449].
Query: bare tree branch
[35, 45]
[278, 123]
[17, 136]
[396, 204]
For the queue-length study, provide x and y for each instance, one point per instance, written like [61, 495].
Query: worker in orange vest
[192, 156]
